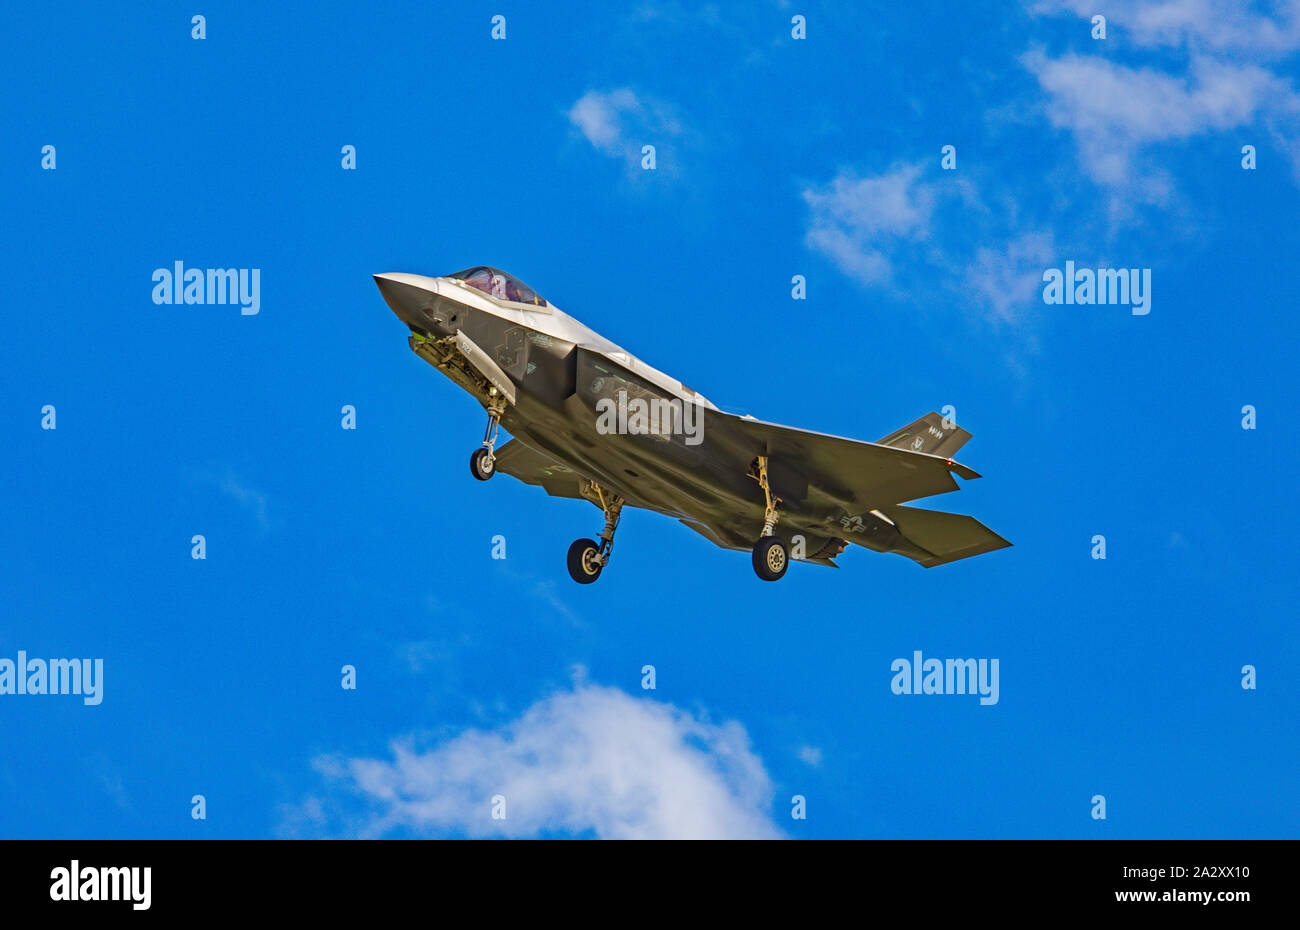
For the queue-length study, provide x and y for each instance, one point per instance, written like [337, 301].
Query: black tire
[481, 465]
[771, 558]
[581, 567]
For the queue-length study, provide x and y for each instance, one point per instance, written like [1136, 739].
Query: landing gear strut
[586, 556]
[771, 558]
[482, 464]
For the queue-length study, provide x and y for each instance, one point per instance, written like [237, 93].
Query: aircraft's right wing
[865, 474]
[867, 483]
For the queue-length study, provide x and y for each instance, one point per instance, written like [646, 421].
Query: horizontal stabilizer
[946, 537]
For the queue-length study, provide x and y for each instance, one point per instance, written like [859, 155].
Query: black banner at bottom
[335, 879]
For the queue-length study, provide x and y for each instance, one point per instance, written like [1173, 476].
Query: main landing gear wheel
[482, 465]
[587, 557]
[584, 562]
[771, 558]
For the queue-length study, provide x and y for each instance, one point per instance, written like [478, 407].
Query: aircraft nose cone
[409, 296]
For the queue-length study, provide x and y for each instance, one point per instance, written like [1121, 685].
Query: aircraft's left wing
[532, 467]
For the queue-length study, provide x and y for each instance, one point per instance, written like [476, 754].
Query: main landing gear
[771, 558]
[482, 464]
[586, 556]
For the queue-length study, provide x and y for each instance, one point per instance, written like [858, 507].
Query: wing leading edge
[531, 467]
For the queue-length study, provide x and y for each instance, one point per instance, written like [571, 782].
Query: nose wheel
[482, 463]
[587, 557]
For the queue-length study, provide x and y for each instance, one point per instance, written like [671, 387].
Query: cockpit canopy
[496, 283]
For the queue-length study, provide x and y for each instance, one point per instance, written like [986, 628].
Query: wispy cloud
[1207, 25]
[591, 760]
[249, 498]
[1214, 77]
[1008, 277]
[1114, 112]
[1199, 70]
[546, 591]
[860, 222]
[110, 779]
[619, 122]
[418, 655]
[600, 116]
[893, 229]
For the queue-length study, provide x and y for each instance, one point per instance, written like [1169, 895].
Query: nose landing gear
[482, 464]
[587, 558]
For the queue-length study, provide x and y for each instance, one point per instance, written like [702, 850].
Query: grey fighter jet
[593, 422]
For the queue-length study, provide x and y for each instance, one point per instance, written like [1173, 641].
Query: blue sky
[775, 157]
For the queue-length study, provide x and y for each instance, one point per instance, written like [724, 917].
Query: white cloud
[592, 759]
[599, 117]
[860, 222]
[1202, 81]
[1218, 26]
[418, 655]
[884, 230]
[811, 755]
[1009, 278]
[676, 13]
[1210, 25]
[1116, 113]
[619, 122]
[1097, 97]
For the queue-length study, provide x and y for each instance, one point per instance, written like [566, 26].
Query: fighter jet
[593, 422]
